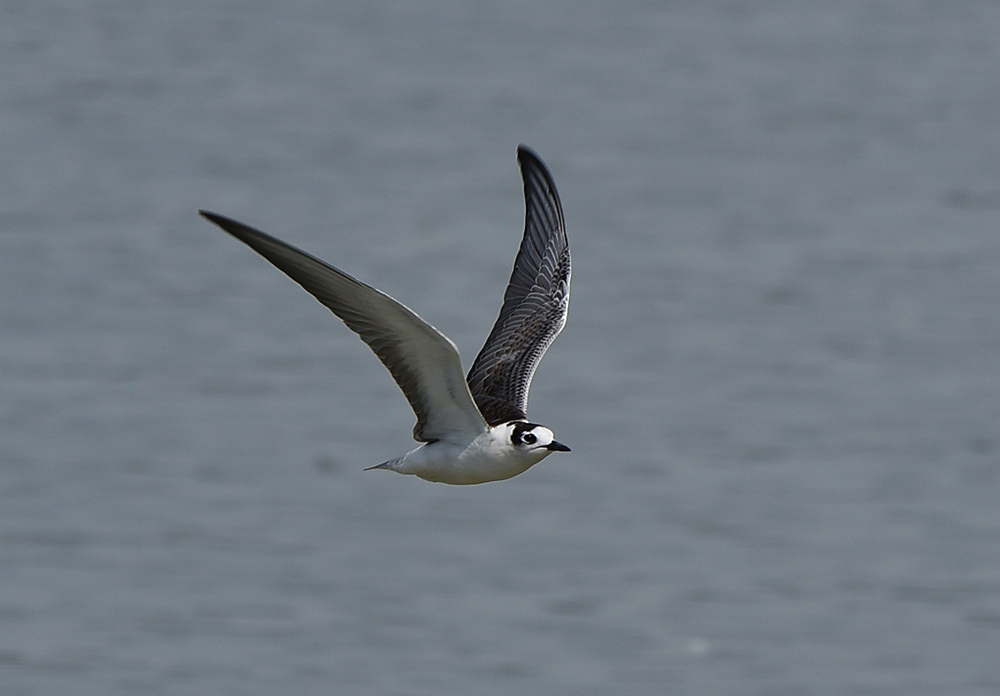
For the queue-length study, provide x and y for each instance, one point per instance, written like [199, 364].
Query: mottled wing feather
[534, 305]
[423, 361]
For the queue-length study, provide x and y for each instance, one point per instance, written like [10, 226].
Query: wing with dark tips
[423, 361]
[534, 305]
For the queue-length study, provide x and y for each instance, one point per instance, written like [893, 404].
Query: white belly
[485, 459]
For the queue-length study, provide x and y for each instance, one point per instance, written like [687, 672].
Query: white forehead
[542, 434]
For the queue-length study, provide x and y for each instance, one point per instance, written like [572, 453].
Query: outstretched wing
[534, 306]
[423, 361]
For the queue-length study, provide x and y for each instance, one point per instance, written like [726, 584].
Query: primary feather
[535, 304]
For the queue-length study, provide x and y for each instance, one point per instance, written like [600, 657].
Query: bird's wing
[423, 361]
[534, 305]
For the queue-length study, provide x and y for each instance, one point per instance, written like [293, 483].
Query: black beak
[557, 447]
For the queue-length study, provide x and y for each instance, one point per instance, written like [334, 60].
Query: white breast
[490, 457]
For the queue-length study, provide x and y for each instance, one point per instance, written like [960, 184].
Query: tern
[472, 429]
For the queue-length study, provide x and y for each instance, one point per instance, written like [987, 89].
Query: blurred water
[780, 378]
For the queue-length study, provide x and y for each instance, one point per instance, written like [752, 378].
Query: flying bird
[472, 429]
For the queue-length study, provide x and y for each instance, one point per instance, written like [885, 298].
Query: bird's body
[474, 429]
[489, 457]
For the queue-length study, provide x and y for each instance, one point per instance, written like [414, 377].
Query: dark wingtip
[531, 164]
[244, 233]
[212, 217]
[525, 152]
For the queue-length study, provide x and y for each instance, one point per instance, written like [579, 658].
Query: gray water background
[780, 377]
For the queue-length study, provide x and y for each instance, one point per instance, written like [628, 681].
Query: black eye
[529, 439]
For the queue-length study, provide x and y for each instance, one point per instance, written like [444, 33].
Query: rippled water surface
[780, 377]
